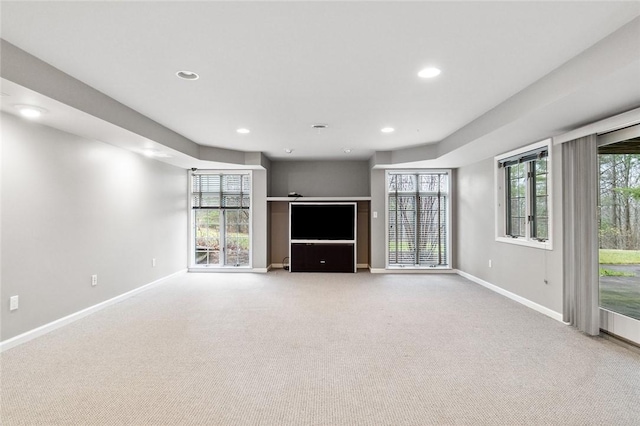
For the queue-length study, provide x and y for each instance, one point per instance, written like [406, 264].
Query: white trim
[307, 199]
[227, 269]
[524, 242]
[619, 135]
[610, 124]
[61, 322]
[499, 192]
[526, 302]
[620, 325]
[449, 204]
[412, 270]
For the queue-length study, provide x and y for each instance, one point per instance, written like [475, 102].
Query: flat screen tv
[323, 221]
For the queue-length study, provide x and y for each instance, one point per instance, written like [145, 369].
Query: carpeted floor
[319, 349]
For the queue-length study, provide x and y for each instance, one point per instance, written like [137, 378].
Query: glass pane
[619, 199]
[236, 237]
[207, 237]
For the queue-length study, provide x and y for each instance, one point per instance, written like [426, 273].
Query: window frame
[449, 197]
[191, 222]
[502, 200]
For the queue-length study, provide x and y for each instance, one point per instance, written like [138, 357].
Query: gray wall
[260, 228]
[320, 178]
[520, 270]
[377, 225]
[73, 207]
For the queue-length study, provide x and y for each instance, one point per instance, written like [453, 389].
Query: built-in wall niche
[279, 240]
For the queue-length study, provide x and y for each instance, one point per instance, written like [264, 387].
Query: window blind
[221, 191]
[418, 228]
[535, 154]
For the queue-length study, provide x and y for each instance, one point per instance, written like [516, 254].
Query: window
[221, 212]
[524, 200]
[418, 219]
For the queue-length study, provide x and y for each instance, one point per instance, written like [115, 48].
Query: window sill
[526, 243]
[418, 268]
[220, 269]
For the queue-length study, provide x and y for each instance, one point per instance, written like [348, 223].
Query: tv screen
[323, 221]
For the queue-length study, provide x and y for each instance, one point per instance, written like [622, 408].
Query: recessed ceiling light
[288, 150]
[347, 150]
[30, 111]
[243, 131]
[387, 129]
[429, 72]
[187, 75]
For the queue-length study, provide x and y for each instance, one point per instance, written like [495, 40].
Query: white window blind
[217, 191]
[418, 218]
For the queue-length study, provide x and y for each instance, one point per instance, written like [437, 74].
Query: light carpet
[319, 349]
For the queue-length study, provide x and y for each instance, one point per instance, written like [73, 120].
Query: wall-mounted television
[323, 221]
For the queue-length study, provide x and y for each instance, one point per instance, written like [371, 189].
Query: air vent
[319, 126]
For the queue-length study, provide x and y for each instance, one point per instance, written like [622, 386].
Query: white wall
[517, 269]
[73, 207]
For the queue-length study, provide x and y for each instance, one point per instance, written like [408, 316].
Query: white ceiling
[279, 67]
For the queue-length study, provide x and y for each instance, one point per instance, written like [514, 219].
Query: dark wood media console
[322, 257]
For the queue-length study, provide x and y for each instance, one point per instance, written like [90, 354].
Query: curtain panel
[580, 234]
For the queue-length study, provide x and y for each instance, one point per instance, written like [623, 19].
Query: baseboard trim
[61, 322]
[229, 270]
[411, 271]
[526, 302]
[281, 266]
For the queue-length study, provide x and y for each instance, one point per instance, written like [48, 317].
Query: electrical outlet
[13, 303]
[153, 262]
[490, 265]
[94, 280]
[375, 215]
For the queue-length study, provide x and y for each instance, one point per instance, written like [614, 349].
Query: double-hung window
[524, 196]
[418, 219]
[220, 219]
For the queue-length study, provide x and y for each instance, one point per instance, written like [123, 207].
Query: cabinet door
[322, 258]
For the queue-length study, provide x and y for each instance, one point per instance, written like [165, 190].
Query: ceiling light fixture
[187, 75]
[347, 150]
[429, 72]
[30, 111]
[243, 131]
[387, 129]
[319, 126]
[288, 150]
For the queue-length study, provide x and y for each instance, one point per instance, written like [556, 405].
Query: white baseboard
[280, 266]
[44, 329]
[229, 270]
[411, 271]
[526, 302]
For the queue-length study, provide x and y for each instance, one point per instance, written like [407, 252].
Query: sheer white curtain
[580, 234]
